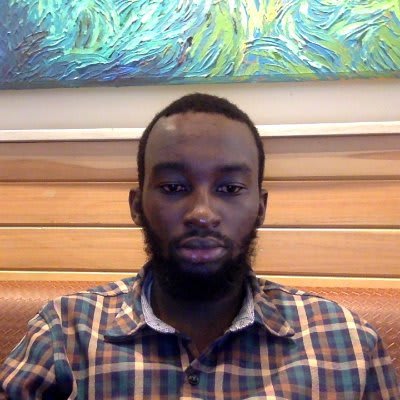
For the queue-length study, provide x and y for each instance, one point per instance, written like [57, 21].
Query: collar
[244, 318]
[130, 318]
[136, 312]
[265, 311]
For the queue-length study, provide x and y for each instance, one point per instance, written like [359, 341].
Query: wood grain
[65, 203]
[290, 204]
[337, 252]
[333, 157]
[287, 158]
[68, 161]
[333, 204]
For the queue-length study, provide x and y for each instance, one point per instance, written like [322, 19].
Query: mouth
[201, 250]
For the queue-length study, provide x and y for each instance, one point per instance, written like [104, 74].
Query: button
[193, 379]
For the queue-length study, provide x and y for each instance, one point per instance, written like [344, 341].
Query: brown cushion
[20, 301]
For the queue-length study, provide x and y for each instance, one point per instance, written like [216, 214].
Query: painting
[57, 43]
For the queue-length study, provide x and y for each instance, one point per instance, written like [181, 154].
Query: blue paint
[86, 42]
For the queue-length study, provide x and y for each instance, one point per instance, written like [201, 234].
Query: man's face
[200, 203]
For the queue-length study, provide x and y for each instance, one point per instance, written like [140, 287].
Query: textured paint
[47, 43]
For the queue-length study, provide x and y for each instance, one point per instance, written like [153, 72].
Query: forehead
[201, 139]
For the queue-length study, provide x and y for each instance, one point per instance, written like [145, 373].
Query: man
[196, 323]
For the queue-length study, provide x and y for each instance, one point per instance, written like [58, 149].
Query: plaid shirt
[106, 343]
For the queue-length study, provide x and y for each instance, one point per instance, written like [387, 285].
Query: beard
[198, 283]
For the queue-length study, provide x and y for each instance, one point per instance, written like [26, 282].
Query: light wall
[267, 103]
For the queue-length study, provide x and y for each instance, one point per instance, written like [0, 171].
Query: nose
[201, 211]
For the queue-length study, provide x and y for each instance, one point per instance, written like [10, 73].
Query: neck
[201, 320]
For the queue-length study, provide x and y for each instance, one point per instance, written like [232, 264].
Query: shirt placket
[194, 375]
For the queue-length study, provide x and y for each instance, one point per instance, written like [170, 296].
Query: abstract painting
[53, 43]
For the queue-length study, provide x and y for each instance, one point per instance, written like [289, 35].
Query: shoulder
[308, 312]
[107, 291]
[86, 305]
[112, 289]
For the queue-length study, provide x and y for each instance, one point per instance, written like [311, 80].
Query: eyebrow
[169, 166]
[181, 167]
[232, 168]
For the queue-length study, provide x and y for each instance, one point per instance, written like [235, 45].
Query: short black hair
[206, 103]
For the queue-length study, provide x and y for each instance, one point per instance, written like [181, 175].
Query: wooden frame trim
[291, 280]
[284, 130]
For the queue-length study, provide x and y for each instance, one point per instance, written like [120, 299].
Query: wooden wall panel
[333, 204]
[80, 203]
[340, 252]
[287, 158]
[290, 204]
[333, 157]
[334, 207]
[68, 161]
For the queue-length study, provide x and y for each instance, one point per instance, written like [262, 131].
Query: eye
[173, 188]
[230, 189]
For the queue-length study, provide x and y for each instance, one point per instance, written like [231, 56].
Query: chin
[200, 281]
[201, 269]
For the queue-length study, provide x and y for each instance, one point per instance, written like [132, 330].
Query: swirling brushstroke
[82, 42]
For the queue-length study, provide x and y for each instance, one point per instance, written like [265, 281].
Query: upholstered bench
[20, 300]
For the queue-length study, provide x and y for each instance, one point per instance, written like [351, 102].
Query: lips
[198, 250]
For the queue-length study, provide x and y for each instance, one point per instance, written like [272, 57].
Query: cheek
[162, 218]
[241, 222]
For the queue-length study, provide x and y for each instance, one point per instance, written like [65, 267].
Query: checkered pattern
[285, 344]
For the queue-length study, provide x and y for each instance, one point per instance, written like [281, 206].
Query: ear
[262, 207]
[135, 205]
